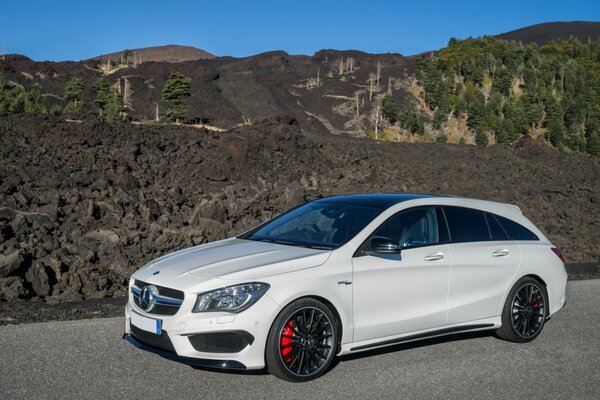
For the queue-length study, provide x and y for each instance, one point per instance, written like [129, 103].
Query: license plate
[146, 324]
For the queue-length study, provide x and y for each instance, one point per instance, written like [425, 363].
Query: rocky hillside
[83, 205]
[330, 92]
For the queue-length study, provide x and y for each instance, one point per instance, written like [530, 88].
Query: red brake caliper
[536, 303]
[286, 342]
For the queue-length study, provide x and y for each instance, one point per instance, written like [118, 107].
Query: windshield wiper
[317, 246]
[290, 243]
[277, 241]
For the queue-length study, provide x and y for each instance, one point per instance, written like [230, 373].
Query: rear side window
[466, 224]
[516, 231]
[496, 230]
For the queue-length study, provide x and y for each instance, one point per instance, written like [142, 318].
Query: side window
[466, 224]
[516, 231]
[496, 230]
[410, 228]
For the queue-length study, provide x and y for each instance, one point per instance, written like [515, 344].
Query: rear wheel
[525, 311]
[302, 341]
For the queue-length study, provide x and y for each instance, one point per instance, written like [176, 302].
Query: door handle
[434, 256]
[500, 253]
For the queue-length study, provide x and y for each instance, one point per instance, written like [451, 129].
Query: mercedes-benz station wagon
[344, 274]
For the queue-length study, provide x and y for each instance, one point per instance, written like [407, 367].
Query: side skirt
[440, 332]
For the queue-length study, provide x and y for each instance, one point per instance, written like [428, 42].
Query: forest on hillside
[504, 90]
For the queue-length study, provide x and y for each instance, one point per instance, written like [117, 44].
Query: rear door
[484, 261]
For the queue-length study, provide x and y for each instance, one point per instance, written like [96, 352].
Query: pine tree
[72, 94]
[34, 103]
[389, 109]
[109, 101]
[593, 144]
[481, 138]
[104, 94]
[176, 90]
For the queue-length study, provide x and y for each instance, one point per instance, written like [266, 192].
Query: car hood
[230, 259]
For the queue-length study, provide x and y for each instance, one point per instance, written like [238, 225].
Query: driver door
[406, 292]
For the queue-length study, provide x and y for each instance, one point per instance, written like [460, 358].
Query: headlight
[232, 298]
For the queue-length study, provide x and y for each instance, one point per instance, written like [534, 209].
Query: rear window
[466, 224]
[516, 231]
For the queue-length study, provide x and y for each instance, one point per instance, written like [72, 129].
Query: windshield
[320, 224]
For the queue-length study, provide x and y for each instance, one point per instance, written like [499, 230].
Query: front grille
[221, 342]
[170, 307]
[151, 339]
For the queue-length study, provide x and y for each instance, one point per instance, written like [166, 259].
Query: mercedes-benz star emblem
[148, 297]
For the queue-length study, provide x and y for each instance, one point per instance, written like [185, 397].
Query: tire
[302, 341]
[525, 311]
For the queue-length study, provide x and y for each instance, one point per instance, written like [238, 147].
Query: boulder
[38, 276]
[12, 288]
[11, 263]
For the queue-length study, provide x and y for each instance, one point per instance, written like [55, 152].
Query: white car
[345, 274]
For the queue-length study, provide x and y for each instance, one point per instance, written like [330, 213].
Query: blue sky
[73, 30]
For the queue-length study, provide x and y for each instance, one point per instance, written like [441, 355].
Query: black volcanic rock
[90, 208]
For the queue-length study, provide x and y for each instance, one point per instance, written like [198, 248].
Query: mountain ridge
[548, 31]
[165, 53]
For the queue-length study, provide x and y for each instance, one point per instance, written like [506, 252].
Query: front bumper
[197, 362]
[208, 339]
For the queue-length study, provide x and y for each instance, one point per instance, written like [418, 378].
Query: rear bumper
[197, 362]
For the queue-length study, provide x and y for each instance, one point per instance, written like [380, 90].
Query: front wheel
[525, 311]
[302, 341]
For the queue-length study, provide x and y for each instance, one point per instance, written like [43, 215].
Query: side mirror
[383, 245]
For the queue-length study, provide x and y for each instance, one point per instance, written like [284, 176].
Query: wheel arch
[537, 278]
[331, 307]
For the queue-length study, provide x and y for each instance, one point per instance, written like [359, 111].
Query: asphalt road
[87, 359]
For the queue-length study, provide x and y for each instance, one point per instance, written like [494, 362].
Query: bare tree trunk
[357, 109]
[156, 113]
[127, 94]
[117, 87]
[318, 76]
[389, 91]
[370, 87]
[342, 66]
[378, 72]
[377, 121]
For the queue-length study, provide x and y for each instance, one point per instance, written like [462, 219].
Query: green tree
[104, 94]
[593, 144]
[176, 90]
[72, 94]
[115, 109]
[481, 138]
[34, 103]
[389, 109]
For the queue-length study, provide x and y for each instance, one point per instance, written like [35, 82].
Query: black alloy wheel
[302, 341]
[525, 311]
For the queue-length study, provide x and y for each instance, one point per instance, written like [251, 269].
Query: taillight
[556, 251]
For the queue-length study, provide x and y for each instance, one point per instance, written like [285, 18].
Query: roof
[375, 200]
